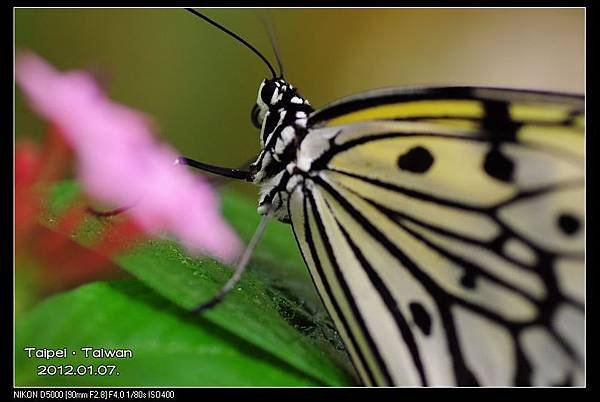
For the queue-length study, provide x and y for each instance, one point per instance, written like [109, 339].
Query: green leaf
[275, 307]
[169, 346]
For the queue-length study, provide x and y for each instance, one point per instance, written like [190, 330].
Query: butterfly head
[268, 94]
[276, 99]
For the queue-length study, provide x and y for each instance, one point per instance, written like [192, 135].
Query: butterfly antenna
[270, 26]
[236, 37]
[241, 265]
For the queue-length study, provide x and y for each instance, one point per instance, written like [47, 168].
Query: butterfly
[443, 227]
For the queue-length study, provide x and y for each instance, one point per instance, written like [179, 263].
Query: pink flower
[121, 163]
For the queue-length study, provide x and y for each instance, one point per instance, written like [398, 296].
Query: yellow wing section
[450, 253]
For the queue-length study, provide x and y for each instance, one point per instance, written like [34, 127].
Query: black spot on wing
[391, 304]
[499, 128]
[498, 165]
[468, 280]
[443, 300]
[568, 224]
[416, 160]
[421, 317]
[570, 119]
[498, 123]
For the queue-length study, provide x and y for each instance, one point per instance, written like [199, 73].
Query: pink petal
[120, 162]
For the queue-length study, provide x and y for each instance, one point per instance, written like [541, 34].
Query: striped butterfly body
[443, 227]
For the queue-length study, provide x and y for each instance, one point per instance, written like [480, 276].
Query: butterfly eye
[267, 93]
[254, 116]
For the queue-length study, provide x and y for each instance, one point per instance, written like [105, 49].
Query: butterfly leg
[108, 213]
[241, 265]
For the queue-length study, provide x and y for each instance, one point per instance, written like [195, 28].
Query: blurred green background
[199, 85]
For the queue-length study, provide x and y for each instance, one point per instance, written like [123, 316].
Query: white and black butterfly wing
[447, 254]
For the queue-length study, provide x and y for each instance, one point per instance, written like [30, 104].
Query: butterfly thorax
[282, 114]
